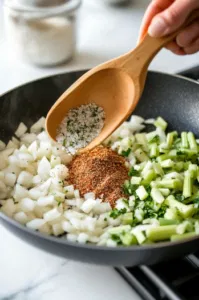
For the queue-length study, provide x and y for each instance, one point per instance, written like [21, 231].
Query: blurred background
[74, 37]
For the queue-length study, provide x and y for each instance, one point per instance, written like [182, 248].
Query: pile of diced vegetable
[162, 194]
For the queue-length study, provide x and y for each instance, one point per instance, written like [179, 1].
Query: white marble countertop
[27, 273]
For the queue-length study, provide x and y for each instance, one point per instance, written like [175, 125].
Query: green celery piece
[127, 218]
[170, 138]
[119, 229]
[128, 239]
[136, 180]
[139, 236]
[142, 140]
[187, 186]
[186, 165]
[179, 166]
[163, 157]
[193, 170]
[161, 233]
[177, 237]
[161, 123]
[172, 153]
[158, 169]
[157, 196]
[149, 176]
[192, 141]
[165, 192]
[172, 214]
[164, 222]
[170, 184]
[154, 151]
[189, 152]
[193, 198]
[184, 140]
[152, 137]
[141, 155]
[168, 163]
[186, 211]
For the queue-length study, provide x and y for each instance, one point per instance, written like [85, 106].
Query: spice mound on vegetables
[101, 171]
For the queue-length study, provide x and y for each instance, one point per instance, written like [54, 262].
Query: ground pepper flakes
[101, 171]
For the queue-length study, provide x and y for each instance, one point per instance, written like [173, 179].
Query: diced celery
[119, 229]
[184, 227]
[151, 136]
[189, 152]
[193, 170]
[139, 235]
[163, 148]
[168, 163]
[148, 166]
[141, 192]
[172, 214]
[160, 122]
[170, 184]
[164, 222]
[157, 196]
[149, 175]
[142, 140]
[194, 197]
[158, 169]
[161, 233]
[141, 155]
[192, 141]
[186, 165]
[127, 218]
[184, 140]
[172, 153]
[170, 138]
[179, 166]
[185, 211]
[139, 214]
[177, 237]
[196, 225]
[187, 186]
[163, 157]
[154, 151]
[131, 201]
[135, 180]
[165, 192]
[128, 239]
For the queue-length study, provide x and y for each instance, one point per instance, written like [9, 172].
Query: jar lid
[44, 6]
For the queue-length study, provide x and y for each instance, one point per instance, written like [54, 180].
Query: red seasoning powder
[101, 171]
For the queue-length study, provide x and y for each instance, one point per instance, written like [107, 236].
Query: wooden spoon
[115, 85]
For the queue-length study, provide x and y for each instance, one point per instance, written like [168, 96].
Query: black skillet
[174, 98]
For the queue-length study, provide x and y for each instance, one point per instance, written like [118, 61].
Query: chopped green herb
[133, 172]
[115, 213]
[126, 153]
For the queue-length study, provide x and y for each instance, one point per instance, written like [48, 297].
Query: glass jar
[41, 35]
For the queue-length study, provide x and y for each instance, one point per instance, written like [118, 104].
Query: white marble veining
[27, 273]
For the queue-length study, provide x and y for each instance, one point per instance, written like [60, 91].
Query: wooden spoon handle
[143, 54]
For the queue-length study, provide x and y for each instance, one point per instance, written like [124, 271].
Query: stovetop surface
[173, 280]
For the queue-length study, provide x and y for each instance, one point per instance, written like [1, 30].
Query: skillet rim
[93, 247]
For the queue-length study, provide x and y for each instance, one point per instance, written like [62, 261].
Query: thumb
[172, 18]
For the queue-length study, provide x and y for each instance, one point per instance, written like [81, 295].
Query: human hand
[165, 16]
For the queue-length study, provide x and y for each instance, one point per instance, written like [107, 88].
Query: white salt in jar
[40, 34]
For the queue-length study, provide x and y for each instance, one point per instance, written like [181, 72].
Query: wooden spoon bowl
[115, 85]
